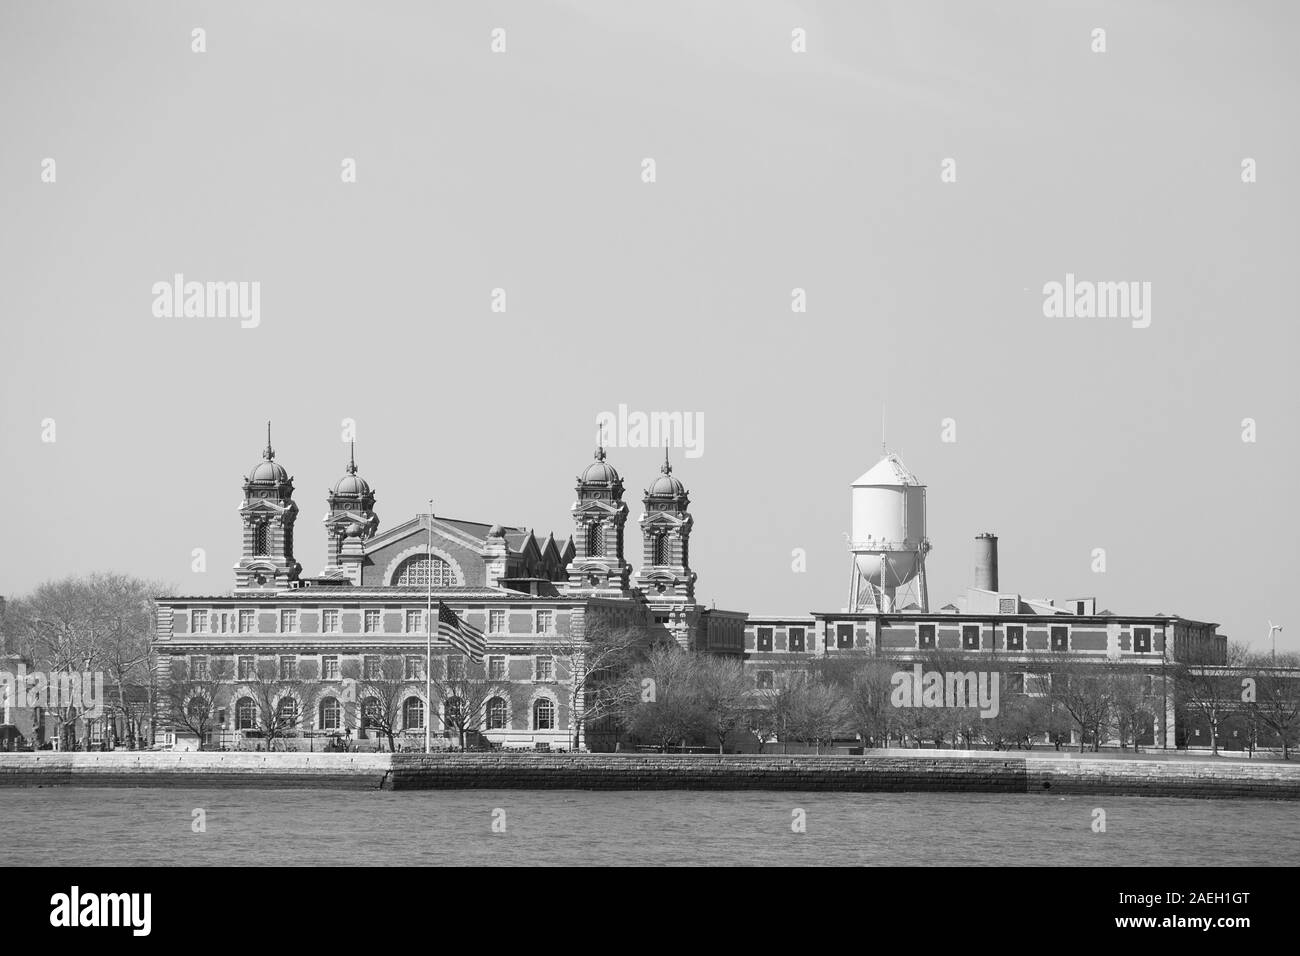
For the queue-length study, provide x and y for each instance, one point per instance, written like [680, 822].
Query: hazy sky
[775, 170]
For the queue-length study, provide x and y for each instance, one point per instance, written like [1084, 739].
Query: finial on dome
[352, 458]
[269, 454]
[600, 442]
[667, 468]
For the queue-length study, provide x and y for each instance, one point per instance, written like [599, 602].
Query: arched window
[371, 713]
[544, 714]
[331, 714]
[455, 711]
[417, 571]
[261, 538]
[596, 540]
[497, 714]
[413, 714]
[663, 549]
[286, 712]
[246, 714]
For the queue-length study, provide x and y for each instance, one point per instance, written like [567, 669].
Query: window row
[970, 638]
[496, 713]
[372, 667]
[243, 621]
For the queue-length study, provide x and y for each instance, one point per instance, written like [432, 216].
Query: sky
[774, 170]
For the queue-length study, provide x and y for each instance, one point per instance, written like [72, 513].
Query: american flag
[459, 634]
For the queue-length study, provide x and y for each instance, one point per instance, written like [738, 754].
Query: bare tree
[465, 690]
[818, 711]
[1277, 697]
[193, 698]
[1211, 688]
[664, 708]
[868, 696]
[1130, 704]
[591, 666]
[84, 625]
[381, 691]
[282, 700]
[723, 692]
[1079, 688]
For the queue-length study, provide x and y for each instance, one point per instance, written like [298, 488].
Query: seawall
[195, 769]
[936, 771]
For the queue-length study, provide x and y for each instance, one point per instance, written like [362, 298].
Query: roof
[890, 470]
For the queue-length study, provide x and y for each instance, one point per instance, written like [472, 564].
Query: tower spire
[270, 452]
[352, 458]
[600, 441]
[667, 468]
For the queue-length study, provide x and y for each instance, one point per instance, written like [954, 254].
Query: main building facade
[528, 595]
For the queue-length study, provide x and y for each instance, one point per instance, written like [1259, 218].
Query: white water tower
[888, 540]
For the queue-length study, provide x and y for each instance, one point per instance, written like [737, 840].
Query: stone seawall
[192, 769]
[879, 772]
[982, 773]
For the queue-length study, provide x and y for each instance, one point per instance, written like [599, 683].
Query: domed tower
[268, 514]
[666, 573]
[350, 523]
[598, 518]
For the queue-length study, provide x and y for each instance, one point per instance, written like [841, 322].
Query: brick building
[526, 593]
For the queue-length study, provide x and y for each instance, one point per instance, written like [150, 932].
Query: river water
[124, 827]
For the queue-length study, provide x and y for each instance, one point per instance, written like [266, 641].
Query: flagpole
[428, 622]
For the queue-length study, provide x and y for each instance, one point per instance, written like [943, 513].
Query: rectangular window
[414, 622]
[246, 621]
[545, 622]
[496, 621]
[221, 622]
[288, 667]
[288, 621]
[329, 667]
[372, 620]
[199, 668]
[1142, 640]
[796, 638]
[329, 621]
[455, 667]
[1015, 637]
[544, 668]
[970, 637]
[1015, 683]
[844, 635]
[764, 638]
[370, 668]
[247, 668]
[925, 637]
[414, 669]
[496, 668]
[1060, 638]
[764, 680]
[199, 622]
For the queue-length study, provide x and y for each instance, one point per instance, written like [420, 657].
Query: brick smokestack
[986, 562]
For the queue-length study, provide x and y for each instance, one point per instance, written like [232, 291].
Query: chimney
[986, 562]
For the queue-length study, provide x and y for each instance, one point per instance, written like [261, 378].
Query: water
[125, 827]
